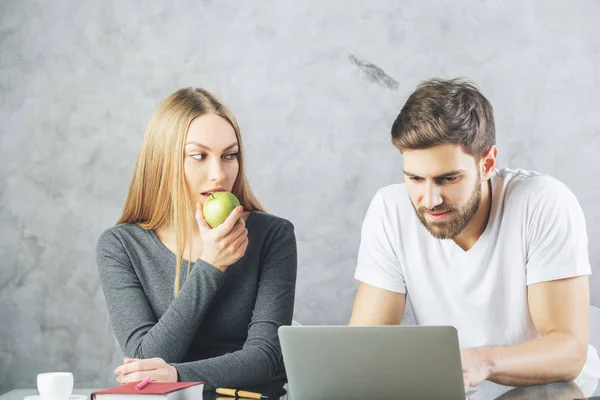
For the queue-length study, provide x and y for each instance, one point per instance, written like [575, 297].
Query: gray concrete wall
[315, 86]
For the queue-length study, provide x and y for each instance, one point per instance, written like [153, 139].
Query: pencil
[143, 383]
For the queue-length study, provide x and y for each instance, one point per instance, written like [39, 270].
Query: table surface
[487, 390]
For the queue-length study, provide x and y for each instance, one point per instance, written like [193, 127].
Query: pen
[143, 383]
[240, 393]
[229, 398]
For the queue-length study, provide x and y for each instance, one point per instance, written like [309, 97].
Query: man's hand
[476, 365]
[136, 370]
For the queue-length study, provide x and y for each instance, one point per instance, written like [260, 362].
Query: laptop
[378, 362]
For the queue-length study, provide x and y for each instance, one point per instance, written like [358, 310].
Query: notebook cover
[150, 388]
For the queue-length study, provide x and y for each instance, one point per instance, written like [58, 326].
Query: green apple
[218, 206]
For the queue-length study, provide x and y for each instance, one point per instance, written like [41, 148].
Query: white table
[20, 394]
[487, 390]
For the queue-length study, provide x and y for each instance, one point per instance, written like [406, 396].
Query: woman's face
[210, 158]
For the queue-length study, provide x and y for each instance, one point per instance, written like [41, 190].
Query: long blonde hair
[158, 195]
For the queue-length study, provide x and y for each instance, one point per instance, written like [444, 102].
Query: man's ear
[488, 162]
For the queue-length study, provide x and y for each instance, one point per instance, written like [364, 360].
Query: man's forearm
[553, 358]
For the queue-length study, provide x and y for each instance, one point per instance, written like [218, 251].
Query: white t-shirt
[536, 232]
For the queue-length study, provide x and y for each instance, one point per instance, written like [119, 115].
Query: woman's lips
[211, 192]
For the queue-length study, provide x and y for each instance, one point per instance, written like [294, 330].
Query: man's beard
[453, 226]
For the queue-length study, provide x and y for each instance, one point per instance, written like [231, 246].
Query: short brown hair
[446, 111]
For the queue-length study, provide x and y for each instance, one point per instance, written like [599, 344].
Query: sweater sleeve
[139, 332]
[258, 361]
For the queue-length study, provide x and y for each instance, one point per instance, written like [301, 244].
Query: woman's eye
[231, 156]
[198, 156]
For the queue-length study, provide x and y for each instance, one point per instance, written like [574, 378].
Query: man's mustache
[437, 209]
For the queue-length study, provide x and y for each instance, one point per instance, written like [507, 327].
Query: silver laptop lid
[382, 362]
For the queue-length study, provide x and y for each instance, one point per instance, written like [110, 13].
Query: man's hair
[446, 111]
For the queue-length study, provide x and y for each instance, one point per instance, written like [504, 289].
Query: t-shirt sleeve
[378, 263]
[557, 238]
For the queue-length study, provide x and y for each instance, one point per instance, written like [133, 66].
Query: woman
[187, 302]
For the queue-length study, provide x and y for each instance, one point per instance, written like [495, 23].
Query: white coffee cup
[55, 385]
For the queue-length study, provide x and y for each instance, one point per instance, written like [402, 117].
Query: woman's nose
[216, 172]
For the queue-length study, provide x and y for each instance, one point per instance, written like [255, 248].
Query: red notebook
[152, 391]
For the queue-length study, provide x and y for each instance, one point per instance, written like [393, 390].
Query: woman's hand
[136, 370]
[225, 244]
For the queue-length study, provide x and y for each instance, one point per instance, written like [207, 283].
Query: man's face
[444, 185]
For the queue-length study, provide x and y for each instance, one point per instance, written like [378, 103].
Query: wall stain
[374, 73]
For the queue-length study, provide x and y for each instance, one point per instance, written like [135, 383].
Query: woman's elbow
[271, 362]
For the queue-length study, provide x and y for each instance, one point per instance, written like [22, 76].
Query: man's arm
[375, 306]
[560, 311]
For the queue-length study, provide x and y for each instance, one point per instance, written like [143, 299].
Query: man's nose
[432, 195]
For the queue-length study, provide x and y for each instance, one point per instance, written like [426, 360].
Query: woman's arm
[136, 327]
[260, 357]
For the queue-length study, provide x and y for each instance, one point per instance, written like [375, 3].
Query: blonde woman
[187, 302]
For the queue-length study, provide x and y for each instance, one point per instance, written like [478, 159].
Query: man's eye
[415, 179]
[449, 178]
[198, 156]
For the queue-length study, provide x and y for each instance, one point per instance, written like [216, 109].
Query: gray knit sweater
[222, 327]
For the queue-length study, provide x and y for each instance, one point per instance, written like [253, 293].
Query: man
[499, 254]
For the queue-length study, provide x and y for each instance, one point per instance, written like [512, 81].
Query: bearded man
[500, 254]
